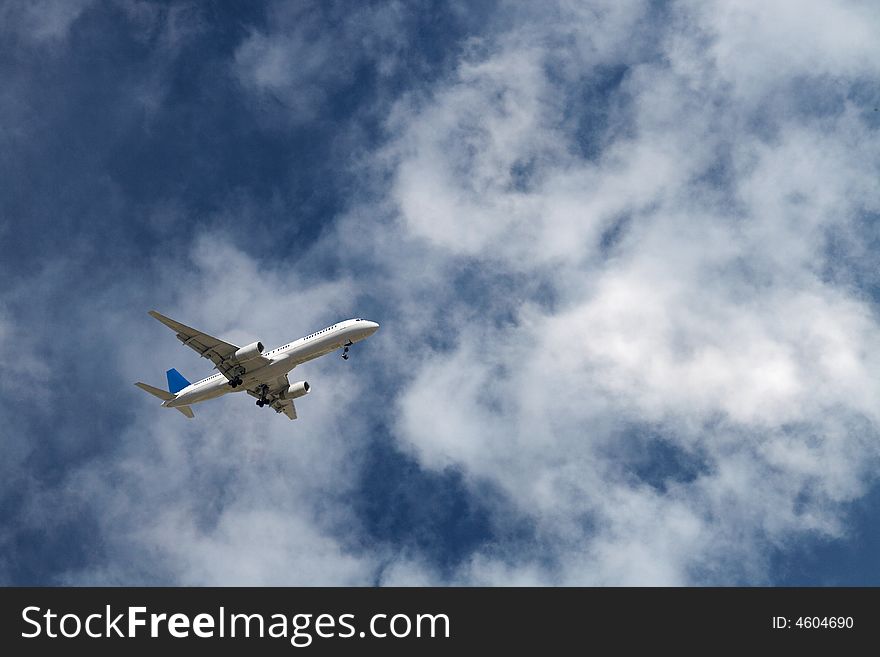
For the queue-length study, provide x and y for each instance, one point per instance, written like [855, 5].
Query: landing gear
[262, 401]
[345, 351]
[236, 373]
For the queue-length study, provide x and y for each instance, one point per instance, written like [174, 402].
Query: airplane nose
[372, 327]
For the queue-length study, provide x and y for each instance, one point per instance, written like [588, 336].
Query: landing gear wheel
[262, 401]
[234, 383]
[345, 353]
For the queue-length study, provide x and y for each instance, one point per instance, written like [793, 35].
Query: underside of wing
[222, 354]
[272, 396]
[273, 389]
[286, 407]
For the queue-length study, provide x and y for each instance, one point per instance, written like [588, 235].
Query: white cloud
[709, 319]
[41, 22]
[756, 45]
[309, 51]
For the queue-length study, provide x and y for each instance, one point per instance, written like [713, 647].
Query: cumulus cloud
[686, 263]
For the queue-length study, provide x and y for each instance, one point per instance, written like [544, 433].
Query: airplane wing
[217, 351]
[288, 408]
[272, 397]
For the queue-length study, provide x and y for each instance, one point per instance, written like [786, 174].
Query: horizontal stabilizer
[186, 410]
[156, 392]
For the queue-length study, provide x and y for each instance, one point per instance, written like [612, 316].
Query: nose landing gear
[345, 350]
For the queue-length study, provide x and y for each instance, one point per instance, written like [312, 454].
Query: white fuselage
[281, 361]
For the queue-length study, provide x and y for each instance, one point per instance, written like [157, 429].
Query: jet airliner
[262, 374]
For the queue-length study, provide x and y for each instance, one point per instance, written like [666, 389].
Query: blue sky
[622, 256]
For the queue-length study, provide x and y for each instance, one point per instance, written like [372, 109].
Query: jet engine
[296, 390]
[249, 352]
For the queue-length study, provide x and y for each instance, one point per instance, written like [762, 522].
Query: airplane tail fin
[186, 410]
[156, 392]
[176, 381]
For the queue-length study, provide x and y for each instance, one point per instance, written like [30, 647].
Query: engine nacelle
[253, 350]
[296, 390]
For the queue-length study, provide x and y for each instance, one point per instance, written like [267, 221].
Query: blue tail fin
[176, 382]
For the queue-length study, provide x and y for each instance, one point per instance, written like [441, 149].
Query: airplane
[262, 374]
